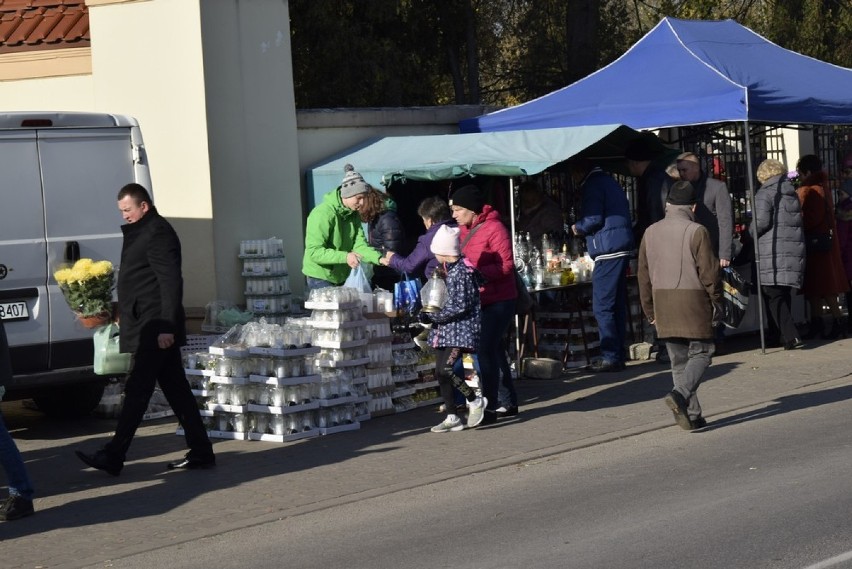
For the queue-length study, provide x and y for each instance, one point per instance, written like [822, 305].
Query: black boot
[849, 312]
[815, 329]
[836, 330]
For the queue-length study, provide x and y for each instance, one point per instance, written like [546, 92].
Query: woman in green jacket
[334, 239]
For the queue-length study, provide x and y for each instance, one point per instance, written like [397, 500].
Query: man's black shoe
[490, 418]
[102, 461]
[663, 357]
[192, 464]
[699, 422]
[604, 366]
[677, 404]
[793, 344]
[16, 507]
[508, 412]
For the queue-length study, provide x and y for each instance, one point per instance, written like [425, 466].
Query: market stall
[502, 155]
[726, 73]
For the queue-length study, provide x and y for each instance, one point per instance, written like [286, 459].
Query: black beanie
[642, 149]
[682, 193]
[469, 197]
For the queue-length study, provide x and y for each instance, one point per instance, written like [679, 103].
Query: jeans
[493, 363]
[690, 358]
[318, 283]
[609, 303]
[13, 464]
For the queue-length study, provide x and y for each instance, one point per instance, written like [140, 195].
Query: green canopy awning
[449, 156]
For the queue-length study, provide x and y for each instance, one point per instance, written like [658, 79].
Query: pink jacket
[490, 251]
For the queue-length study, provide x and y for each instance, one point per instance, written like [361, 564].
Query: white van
[59, 177]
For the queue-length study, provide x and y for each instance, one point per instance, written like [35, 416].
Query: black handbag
[819, 242]
[735, 295]
[525, 301]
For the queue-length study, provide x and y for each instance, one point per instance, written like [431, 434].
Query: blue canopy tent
[687, 72]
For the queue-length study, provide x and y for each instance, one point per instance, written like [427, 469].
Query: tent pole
[517, 318]
[753, 229]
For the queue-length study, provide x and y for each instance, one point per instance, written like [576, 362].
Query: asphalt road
[765, 487]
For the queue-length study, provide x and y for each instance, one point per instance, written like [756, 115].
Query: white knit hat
[353, 183]
[446, 241]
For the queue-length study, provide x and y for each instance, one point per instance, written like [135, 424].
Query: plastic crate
[198, 343]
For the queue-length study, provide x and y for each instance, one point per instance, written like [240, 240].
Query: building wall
[158, 78]
[324, 133]
[71, 93]
[213, 93]
[251, 128]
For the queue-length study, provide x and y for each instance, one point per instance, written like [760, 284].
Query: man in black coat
[153, 327]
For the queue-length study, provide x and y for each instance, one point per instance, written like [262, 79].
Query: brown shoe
[677, 404]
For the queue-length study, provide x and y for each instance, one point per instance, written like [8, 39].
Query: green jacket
[333, 230]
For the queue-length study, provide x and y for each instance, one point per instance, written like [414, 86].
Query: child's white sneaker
[451, 423]
[476, 411]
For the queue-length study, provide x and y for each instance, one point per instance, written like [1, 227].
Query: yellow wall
[158, 78]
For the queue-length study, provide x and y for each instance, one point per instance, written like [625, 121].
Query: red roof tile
[27, 25]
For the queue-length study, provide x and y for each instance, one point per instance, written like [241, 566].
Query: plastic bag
[358, 280]
[406, 294]
[108, 359]
[525, 302]
[735, 293]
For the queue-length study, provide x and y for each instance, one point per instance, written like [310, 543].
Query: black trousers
[165, 367]
[778, 301]
[445, 360]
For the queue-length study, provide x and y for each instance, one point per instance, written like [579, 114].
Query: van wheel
[71, 401]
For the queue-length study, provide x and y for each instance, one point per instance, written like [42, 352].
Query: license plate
[14, 311]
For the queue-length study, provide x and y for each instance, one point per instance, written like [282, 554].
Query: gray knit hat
[353, 183]
[682, 193]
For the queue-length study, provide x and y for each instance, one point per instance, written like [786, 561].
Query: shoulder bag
[525, 302]
[820, 241]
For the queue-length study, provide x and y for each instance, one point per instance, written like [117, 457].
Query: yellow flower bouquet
[87, 288]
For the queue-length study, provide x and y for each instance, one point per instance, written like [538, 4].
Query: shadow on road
[785, 404]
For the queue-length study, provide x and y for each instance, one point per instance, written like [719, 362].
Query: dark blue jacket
[385, 232]
[605, 217]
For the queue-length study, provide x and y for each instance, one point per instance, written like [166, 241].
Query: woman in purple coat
[422, 262]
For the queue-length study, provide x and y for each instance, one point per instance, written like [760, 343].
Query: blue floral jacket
[457, 324]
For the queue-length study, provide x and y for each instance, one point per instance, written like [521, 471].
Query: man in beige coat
[680, 293]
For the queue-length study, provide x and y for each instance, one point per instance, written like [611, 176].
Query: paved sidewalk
[86, 517]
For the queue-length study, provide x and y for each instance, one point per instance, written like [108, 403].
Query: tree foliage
[386, 53]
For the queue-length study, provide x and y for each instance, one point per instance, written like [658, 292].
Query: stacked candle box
[267, 286]
[379, 379]
[270, 382]
[412, 371]
[340, 332]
